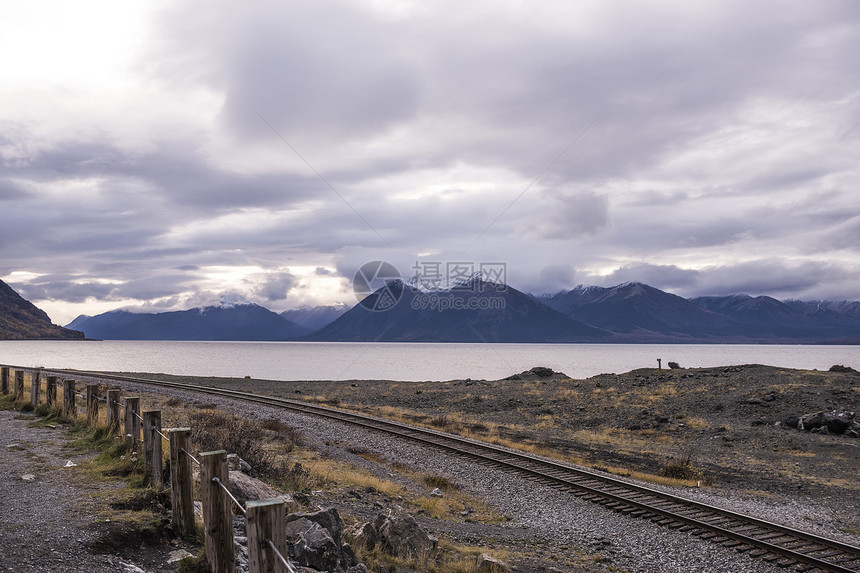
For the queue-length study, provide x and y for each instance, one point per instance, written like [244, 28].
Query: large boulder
[835, 422]
[245, 488]
[316, 541]
[399, 534]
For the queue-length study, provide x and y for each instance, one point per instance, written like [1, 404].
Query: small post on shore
[70, 410]
[217, 512]
[182, 481]
[113, 411]
[35, 388]
[92, 404]
[132, 422]
[152, 446]
[19, 385]
[659, 364]
[51, 390]
[4, 380]
[265, 519]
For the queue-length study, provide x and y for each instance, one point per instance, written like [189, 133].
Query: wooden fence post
[132, 422]
[266, 519]
[70, 410]
[152, 445]
[92, 405]
[4, 380]
[217, 512]
[51, 390]
[19, 385]
[113, 411]
[181, 481]
[35, 388]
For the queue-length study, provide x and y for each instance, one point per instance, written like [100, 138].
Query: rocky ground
[732, 427]
[734, 423]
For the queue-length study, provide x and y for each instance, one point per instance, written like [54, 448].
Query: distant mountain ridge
[315, 317]
[21, 320]
[640, 313]
[627, 313]
[231, 321]
[487, 313]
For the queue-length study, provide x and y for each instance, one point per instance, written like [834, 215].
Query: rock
[542, 371]
[841, 368]
[313, 546]
[365, 535]
[235, 463]
[673, 365]
[28, 477]
[244, 488]
[436, 492]
[836, 423]
[316, 541]
[488, 564]
[178, 555]
[401, 535]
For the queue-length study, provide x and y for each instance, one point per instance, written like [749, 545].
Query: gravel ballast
[552, 519]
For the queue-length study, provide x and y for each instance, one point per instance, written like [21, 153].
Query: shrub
[215, 430]
[682, 469]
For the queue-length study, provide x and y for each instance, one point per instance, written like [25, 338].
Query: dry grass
[641, 440]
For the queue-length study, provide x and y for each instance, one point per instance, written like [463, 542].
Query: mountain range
[485, 312]
[20, 319]
[224, 320]
[477, 311]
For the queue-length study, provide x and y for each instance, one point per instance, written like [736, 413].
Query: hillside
[475, 312]
[22, 320]
[224, 322]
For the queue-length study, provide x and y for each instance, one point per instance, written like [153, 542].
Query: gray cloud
[722, 153]
[667, 277]
[276, 288]
[575, 214]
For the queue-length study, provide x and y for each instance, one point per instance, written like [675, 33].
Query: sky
[158, 155]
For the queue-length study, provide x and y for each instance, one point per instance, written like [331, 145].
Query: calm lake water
[398, 361]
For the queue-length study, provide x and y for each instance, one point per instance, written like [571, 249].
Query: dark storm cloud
[65, 290]
[555, 278]
[276, 287]
[776, 278]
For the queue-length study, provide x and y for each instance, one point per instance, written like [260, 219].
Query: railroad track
[790, 548]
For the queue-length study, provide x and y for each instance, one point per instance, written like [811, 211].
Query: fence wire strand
[227, 491]
[187, 453]
[280, 557]
[159, 433]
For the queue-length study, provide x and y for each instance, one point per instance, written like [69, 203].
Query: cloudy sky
[160, 154]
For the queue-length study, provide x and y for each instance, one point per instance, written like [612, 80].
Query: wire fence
[265, 519]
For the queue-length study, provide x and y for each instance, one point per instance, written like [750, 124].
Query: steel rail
[743, 532]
